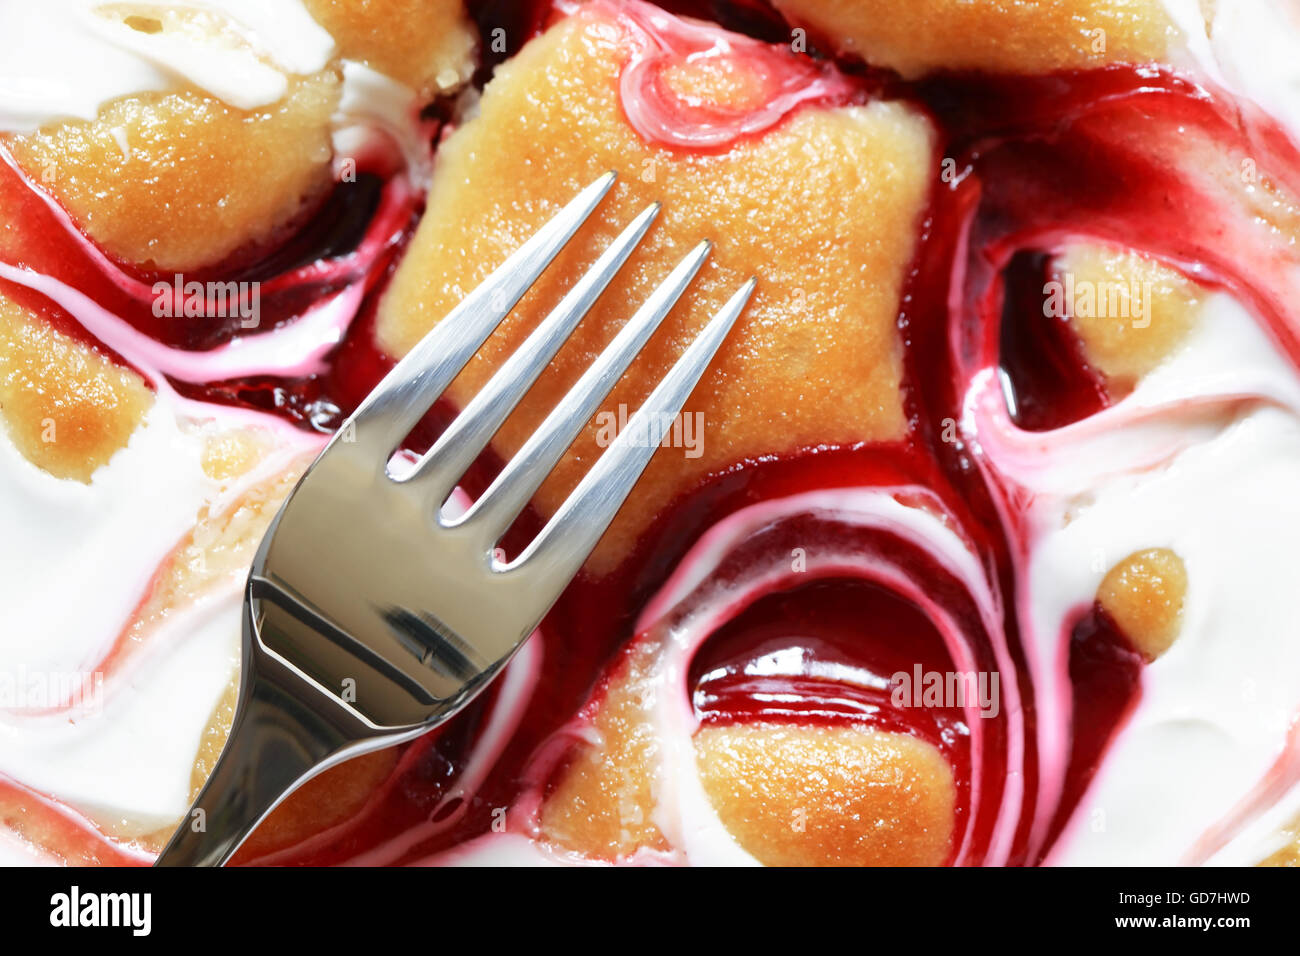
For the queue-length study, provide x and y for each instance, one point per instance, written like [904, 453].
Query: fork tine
[563, 545]
[444, 464]
[401, 399]
[496, 508]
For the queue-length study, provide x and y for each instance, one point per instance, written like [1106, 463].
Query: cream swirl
[76, 55]
[80, 559]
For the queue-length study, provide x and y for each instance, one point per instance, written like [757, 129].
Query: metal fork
[371, 615]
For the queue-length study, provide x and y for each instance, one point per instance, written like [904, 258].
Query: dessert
[970, 548]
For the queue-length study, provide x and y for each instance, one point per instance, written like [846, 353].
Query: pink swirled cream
[691, 85]
[132, 491]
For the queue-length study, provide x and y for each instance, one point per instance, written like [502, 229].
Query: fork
[372, 613]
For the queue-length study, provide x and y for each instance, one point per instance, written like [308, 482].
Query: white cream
[1216, 708]
[77, 557]
[15, 851]
[126, 763]
[78, 560]
[1203, 458]
[76, 55]
[373, 104]
[1249, 48]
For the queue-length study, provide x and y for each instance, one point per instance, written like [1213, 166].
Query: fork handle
[276, 743]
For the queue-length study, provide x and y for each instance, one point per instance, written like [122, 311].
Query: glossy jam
[1047, 381]
[773, 663]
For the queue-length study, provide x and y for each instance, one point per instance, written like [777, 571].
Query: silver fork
[372, 615]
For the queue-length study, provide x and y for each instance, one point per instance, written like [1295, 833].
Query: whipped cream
[1217, 709]
[70, 583]
[1248, 47]
[1203, 458]
[78, 560]
[372, 108]
[76, 55]
[126, 763]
